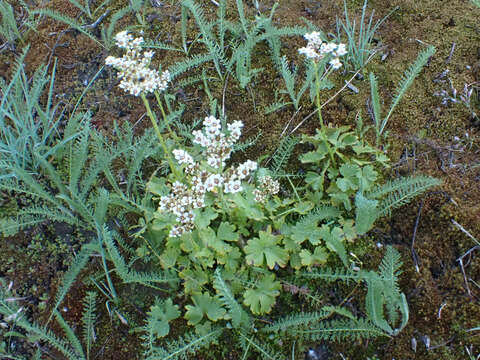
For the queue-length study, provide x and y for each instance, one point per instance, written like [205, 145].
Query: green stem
[165, 120]
[319, 111]
[153, 118]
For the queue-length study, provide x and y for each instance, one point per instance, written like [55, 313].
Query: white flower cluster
[184, 198]
[267, 187]
[317, 49]
[134, 73]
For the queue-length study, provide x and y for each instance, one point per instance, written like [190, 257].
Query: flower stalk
[153, 119]
[317, 50]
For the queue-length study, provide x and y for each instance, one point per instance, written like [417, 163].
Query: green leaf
[226, 231]
[203, 218]
[159, 315]
[333, 240]
[158, 186]
[262, 298]
[169, 257]
[367, 177]
[318, 257]
[341, 198]
[266, 246]
[314, 180]
[236, 312]
[366, 213]
[313, 156]
[211, 240]
[204, 306]
[231, 259]
[375, 301]
[189, 242]
[306, 231]
[350, 174]
[161, 220]
[304, 207]
[248, 206]
[194, 279]
[349, 230]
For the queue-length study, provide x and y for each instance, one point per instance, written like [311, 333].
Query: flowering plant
[207, 176]
[136, 77]
[224, 228]
[317, 49]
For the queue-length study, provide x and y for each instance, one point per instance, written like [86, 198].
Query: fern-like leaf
[66, 20]
[88, 320]
[407, 80]
[344, 329]
[184, 347]
[70, 276]
[374, 303]
[283, 153]
[377, 109]
[400, 192]
[366, 211]
[330, 275]
[390, 270]
[264, 350]
[129, 275]
[319, 214]
[237, 313]
[77, 346]
[46, 335]
[395, 300]
[296, 320]
[185, 65]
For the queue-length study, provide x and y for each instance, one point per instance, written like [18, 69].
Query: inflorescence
[136, 77]
[317, 49]
[208, 175]
[267, 187]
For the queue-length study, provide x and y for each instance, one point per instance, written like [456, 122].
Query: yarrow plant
[317, 49]
[138, 80]
[136, 77]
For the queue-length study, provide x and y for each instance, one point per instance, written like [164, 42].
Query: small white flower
[211, 122]
[200, 203]
[182, 157]
[148, 54]
[178, 187]
[175, 231]
[235, 126]
[213, 132]
[233, 186]
[235, 130]
[123, 39]
[335, 63]
[341, 50]
[136, 77]
[244, 169]
[164, 201]
[213, 181]
[313, 37]
[309, 52]
[164, 80]
[214, 162]
[251, 165]
[190, 216]
[200, 188]
[329, 47]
